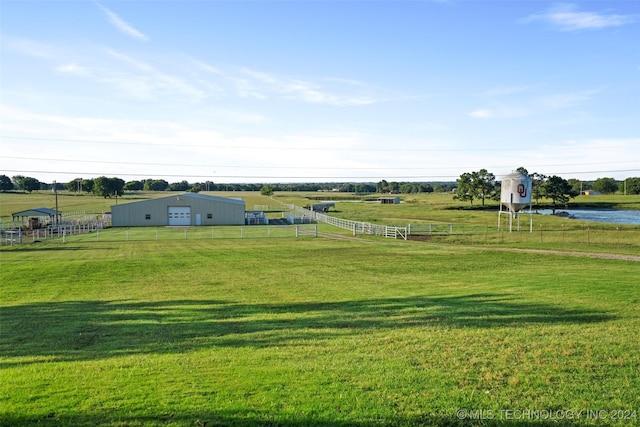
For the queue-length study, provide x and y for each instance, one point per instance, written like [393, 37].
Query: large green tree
[5, 183]
[75, 185]
[465, 191]
[26, 183]
[485, 183]
[559, 191]
[364, 188]
[630, 185]
[108, 187]
[156, 185]
[87, 185]
[179, 186]
[476, 185]
[382, 186]
[605, 185]
[134, 186]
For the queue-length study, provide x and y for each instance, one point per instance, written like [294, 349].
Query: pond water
[598, 215]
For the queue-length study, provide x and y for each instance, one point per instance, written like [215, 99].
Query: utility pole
[55, 191]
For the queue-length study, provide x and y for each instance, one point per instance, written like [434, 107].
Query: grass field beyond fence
[298, 332]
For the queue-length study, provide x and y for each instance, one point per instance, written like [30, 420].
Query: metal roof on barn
[193, 196]
[36, 212]
[212, 198]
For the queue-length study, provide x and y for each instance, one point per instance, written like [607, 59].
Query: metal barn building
[184, 209]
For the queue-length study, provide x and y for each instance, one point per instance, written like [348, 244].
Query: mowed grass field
[315, 331]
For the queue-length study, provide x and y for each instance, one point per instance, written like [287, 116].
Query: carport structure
[35, 217]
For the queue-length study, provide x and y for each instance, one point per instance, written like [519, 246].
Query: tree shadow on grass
[91, 330]
[251, 418]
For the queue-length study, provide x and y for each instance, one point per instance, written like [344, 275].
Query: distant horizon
[453, 181]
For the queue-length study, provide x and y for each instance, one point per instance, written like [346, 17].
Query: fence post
[450, 228]
[354, 228]
[156, 234]
[296, 231]
[316, 233]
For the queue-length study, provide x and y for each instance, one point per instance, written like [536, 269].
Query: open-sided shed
[36, 216]
[389, 200]
[186, 209]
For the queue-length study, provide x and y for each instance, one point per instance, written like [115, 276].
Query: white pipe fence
[96, 232]
[357, 227]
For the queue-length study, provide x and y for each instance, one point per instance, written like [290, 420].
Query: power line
[321, 178]
[287, 167]
[289, 147]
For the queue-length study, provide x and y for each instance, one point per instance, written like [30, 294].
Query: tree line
[114, 187]
[471, 186]
[482, 185]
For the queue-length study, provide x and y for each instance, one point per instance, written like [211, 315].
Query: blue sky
[324, 90]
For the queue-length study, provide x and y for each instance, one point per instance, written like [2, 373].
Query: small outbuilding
[37, 217]
[389, 200]
[185, 209]
[321, 207]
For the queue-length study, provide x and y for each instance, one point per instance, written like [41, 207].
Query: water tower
[515, 195]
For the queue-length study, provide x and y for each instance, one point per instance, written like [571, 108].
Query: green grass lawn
[312, 331]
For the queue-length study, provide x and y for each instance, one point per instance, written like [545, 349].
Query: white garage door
[179, 215]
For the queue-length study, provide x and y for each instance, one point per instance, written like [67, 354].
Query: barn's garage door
[179, 215]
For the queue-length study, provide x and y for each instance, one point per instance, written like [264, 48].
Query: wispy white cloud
[482, 113]
[123, 26]
[532, 105]
[302, 90]
[507, 90]
[30, 47]
[567, 17]
[499, 112]
[137, 79]
[558, 101]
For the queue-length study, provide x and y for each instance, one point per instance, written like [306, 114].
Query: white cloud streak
[123, 26]
[565, 100]
[499, 112]
[566, 17]
[539, 104]
[301, 90]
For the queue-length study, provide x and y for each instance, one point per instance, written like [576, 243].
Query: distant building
[321, 207]
[186, 209]
[389, 200]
